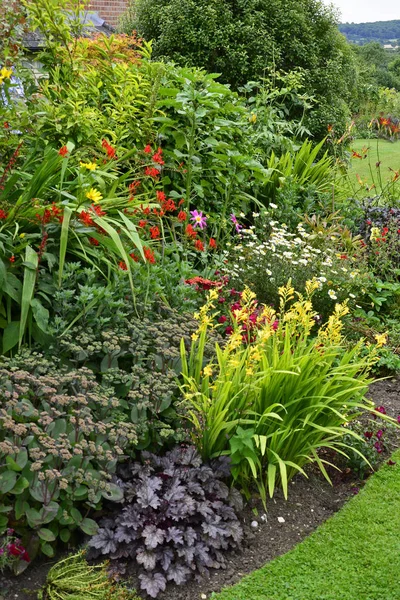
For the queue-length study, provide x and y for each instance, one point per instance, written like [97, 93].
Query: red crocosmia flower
[385, 230]
[146, 210]
[149, 255]
[169, 205]
[182, 216]
[147, 149]
[134, 257]
[152, 172]
[212, 243]
[3, 215]
[142, 223]
[190, 232]
[97, 210]
[122, 265]
[229, 330]
[63, 151]
[154, 232]
[86, 218]
[199, 245]
[93, 241]
[222, 319]
[12, 259]
[161, 197]
[157, 157]
[368, 434]
[111, 152]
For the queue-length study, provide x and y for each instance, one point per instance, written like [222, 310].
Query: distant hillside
[384, 32]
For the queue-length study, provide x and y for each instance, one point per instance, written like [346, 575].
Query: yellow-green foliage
[73, 578]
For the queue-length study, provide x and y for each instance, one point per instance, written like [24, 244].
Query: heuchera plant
[177, 521]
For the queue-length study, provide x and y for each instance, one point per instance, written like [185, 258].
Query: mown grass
[355, 555]
[383, 151]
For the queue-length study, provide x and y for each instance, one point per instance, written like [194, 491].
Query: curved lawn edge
[354, 555]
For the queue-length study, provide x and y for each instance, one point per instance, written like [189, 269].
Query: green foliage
[378, 31]
[73, 578]
[242, 40]
[272, 404]
[336, 559]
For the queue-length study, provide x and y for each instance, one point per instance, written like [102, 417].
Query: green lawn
[355, 555]
[388, 153]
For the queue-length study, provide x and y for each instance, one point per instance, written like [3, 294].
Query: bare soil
[311, 501]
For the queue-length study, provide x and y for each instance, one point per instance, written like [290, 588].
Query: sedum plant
[276, 394]
[59, 447]
[177, 521]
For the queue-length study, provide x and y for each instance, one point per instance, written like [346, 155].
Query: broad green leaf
[28, 288]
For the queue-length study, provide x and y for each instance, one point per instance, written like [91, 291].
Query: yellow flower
[94, 195]
[375, 233]
[207, 371]
[381, 339]
[90, 166]
[5, 74]
[253, 118]
[22, 235]
[195, 337]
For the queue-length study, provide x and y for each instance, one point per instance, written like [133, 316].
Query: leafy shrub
[177, 520]
[73, 577]
[59, 445]
[271, 404]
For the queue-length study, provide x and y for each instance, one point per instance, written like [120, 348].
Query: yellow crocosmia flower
[213, 295]
[207, 371]
[249, 372]
[90, 166]
[94, 195]
[5, 73]
[311, 286]
[195, 337]
[247, 296]
[381, 339]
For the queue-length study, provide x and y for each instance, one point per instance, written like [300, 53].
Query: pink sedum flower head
[198, 219]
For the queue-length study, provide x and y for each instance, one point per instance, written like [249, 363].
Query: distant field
[388, 153]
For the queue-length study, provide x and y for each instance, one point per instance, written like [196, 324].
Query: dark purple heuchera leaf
[147, 492]
[177, 520]
[146, 558]
[153, 536]
[153, 583]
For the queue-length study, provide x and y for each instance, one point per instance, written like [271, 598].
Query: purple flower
[391, 463]
[381, 409]
[379, 434]
[198, 219]
[398, 418]
[237, 225]
[10, 531]
[378, 447]
[368, 434]
[355, 490]
[1, 551]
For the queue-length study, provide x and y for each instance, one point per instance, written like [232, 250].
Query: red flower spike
[63, 151]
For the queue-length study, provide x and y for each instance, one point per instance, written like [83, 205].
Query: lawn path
[355, 555]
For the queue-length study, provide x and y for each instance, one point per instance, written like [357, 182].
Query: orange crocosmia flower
[212, 243]
[134, 257]
[97, 210]
[147, 149]
[199, 245]
[122, 265]
[157, 157]
[161, 197]
[152, 172]
[356, 155]
[182, 216]
[149, 255]
[63, 151]
[190, 232]
[86, 218]
[111, 152]
[93, 241]
[142, 223]
[154, 232]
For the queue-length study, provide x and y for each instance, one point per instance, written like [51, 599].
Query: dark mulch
[311, 501]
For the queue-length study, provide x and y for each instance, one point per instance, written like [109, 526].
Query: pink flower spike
[198, 219]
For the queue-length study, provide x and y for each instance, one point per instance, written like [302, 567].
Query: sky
[361, 11]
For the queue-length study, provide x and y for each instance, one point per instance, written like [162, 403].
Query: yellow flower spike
[247, 296]
[207, 371]
[94, 195]
[381, 339]
[311, 286]
[213, 295]
[90, 166]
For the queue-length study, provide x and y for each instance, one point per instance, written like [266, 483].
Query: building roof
[92, 24]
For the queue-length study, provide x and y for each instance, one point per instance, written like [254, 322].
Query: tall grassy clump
[277, 393]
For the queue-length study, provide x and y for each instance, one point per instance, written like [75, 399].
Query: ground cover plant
[192, 299]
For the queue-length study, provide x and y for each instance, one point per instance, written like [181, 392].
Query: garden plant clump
[199, 280]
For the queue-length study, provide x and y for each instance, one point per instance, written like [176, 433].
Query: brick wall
[109, 10]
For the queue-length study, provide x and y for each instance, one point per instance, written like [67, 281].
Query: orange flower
[190, 232]
[111, 152]
[147, 149]
[212, 243]
[149, 255]
[182, 216]
[122, 265]
[199, 245]
[63, 151]
[154, 232]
